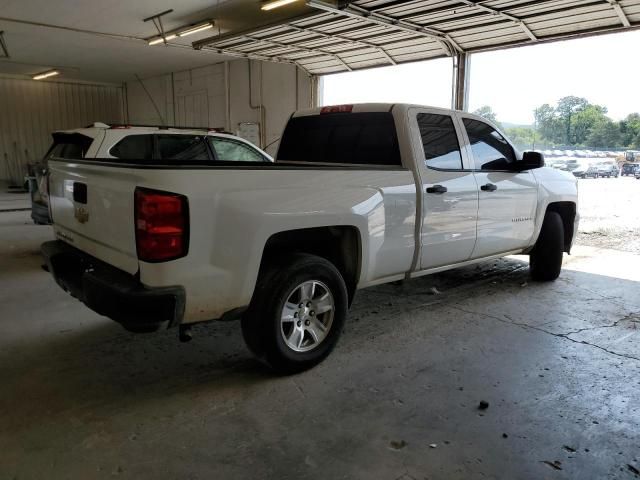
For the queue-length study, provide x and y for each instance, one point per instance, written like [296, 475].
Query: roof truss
[370, 33]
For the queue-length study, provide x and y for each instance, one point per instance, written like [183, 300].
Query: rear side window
[358, 138]
[69, 145]
[490, 149]
[134, 147]
[182, 147]
[230, 150]
[440, 141]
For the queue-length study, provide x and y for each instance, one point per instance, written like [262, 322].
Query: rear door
[507, 199]
[449, 189]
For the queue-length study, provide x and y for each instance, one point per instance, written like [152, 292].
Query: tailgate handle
[80, 192]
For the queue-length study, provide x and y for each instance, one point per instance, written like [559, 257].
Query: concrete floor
[558, 363]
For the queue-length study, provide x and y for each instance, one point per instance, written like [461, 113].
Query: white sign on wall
[250, 131]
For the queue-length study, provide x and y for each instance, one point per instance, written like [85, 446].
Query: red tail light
[162, 225]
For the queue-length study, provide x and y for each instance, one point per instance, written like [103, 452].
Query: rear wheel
[297, 313]
[545, 261]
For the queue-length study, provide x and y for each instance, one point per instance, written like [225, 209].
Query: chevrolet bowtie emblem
[81, 214]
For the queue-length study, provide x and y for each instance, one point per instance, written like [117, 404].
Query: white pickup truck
[358, 195]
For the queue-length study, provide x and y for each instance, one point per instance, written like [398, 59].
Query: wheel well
[338, 244]
[567, 211]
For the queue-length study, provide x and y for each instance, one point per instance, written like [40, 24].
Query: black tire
[545, 260]
[261, 324]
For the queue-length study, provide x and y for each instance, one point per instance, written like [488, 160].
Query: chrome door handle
[437, 189]
[489, 187]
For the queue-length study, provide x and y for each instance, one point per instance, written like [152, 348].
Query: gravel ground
[610, 213]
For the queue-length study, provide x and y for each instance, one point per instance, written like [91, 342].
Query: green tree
[604, 134]
[547, 123]
[576, 122]
[565, 111]
[583, 122]
[523, 137]
[630, 130]
[487, 112]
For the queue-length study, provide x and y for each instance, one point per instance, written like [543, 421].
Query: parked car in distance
[630, 169]
[608, 170]
[145, 144]
[359, 195]
[586, 171]
[570, 165]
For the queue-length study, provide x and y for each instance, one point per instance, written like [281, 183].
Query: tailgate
[92, 208]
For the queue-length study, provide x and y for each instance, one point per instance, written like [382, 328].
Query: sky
[603, 69]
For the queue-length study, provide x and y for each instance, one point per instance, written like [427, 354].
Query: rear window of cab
[363, 138]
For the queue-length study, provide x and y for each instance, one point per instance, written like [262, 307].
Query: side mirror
[530, 160]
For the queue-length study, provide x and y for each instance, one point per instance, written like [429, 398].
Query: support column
[461, 73]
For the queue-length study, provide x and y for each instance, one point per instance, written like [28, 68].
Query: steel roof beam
[502, 14]
[446, 42]
[478, 5]
[620, 12]
[317, 51]
[346, 39]
[250, 56]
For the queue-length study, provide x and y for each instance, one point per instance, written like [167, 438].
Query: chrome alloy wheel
[307, 316]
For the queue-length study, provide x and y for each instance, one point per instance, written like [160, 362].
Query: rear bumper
[112, 292]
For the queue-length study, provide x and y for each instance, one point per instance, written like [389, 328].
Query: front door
[507, 199]
[449, 190]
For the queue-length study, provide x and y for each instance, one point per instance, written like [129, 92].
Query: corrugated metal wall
[30, 111]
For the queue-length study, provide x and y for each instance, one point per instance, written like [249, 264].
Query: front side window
[490, 149]
[134, 147]
[182, 147]
[232, 151]
[440, 141]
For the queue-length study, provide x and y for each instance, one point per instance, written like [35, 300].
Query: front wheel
[297, 313]
[545, 260]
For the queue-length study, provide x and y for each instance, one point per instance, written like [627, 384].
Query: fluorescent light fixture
[276, 3]
[195, 29]
[181, 33]
[158, 40]
[50, 73]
